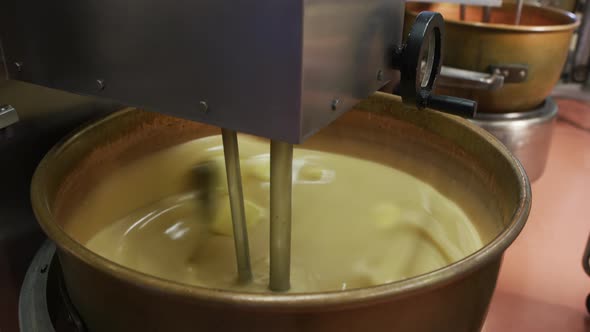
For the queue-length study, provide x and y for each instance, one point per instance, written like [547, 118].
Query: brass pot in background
[462, 161]
[532, 54]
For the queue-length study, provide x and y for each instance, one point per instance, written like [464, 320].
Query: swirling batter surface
[356, 223]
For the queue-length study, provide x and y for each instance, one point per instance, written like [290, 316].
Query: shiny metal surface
[497, 76]
[34, 298]
[236, 202]
[44, 306]
[461, 78]
[541, 42]
[8, 116]
[513, 73]
[283, 61]
[518, 14]
[494, 191]
[281, 181]
[527, 134]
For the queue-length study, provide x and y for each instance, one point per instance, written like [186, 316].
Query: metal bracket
[8, 116]
[513, 73]
[461, 78]
[495, 79]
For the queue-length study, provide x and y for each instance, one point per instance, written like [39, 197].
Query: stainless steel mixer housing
[278, 69]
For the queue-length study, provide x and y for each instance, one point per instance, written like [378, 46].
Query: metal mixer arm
[461, 78]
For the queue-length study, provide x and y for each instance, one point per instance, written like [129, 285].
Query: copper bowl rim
[321, 301]
[575, 22]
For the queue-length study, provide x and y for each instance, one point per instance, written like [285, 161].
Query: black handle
[419, 61]
[454, 105]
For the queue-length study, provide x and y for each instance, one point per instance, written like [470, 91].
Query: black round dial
[419, 61]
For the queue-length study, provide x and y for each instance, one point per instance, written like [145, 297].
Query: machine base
[526, 134]
[44, 305]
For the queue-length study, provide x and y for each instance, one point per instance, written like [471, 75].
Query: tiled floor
[542, 285]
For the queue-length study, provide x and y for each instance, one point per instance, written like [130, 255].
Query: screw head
[19, 66]
[506, 73]
[335, 104]
[203, 106]
[100, 84]
[380, 75]
[522, 73]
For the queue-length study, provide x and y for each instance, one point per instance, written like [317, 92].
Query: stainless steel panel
[8, 116]
[345, 55]
[266, 67]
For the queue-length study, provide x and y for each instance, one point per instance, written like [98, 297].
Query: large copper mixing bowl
[463, 162]
[539, 46]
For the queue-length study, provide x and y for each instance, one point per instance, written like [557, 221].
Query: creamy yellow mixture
[356, 223]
